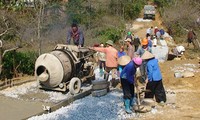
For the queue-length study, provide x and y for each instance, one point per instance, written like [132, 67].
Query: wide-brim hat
[147, 55]
[127, 40]
[110, 42]
[124, 60]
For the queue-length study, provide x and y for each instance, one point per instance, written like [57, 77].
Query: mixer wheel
[75, 85]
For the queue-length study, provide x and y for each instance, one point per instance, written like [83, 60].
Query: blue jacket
[128, 72]
[149, 43]
[153, 70]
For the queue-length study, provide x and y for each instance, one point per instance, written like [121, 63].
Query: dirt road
[187, 90]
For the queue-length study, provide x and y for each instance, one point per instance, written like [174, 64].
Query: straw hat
[110, 42]
[147, 55]
[124, 60]
[127, 40]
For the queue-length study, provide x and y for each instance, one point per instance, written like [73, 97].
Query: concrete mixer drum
[65, 68]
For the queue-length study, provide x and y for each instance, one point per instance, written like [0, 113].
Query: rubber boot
[132, 102]
[127, 106]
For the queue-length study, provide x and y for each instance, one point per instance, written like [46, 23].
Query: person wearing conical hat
[140, 52]
[154, 77]
[127, 79]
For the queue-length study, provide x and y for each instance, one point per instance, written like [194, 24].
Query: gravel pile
[108, 107]
[143, 20]
[185, 67]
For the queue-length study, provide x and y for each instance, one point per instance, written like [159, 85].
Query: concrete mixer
[64, 68]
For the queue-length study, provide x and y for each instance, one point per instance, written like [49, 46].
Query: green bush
[20, 62]
[161, 3]
[80, 12]
[128, 9]
[109, 34]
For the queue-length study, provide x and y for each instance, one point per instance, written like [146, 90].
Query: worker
[190, 37]
[76, 34]
[136, 42]
[102, 60]
[120, 54]
[150, 31]
[162, 32]
[148, 37]
[140, 52]
[156, 30]
[111, 58]
[127, 79]
[129, 35]
[130, 48]
[178, 50]
[154, 43]
[154, 79]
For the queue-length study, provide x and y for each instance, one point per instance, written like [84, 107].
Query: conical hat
[124, 60]
[147, 55]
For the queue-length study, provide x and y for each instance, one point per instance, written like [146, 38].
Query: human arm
[99, 49]
[149, 49]
[81, 38]
[68, 37]
[128, 73]
[149, 72]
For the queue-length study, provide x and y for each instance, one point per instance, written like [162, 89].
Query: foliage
[80, 11]
[19, 61]
[128, 9]
[162, 3]
[109, 34]
[15, 5]
[180, 16]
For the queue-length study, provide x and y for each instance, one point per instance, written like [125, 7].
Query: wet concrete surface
[16, 109]
[26, 100]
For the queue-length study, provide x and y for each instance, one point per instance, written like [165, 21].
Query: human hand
[146, 81]
[90, 48]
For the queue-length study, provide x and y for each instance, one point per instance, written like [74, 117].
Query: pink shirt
[111, 55]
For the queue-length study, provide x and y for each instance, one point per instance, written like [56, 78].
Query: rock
[187, 74]
[178, 75]
[171, 98]
[177, 58]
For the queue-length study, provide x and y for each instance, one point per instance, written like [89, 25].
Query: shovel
[140, 109]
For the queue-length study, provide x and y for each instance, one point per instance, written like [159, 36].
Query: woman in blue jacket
[154, 76]
[127, 79]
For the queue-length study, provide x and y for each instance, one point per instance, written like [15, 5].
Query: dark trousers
[128, 89]
[102, 64]
[157, 90]
[143, 71]
[136, 47]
